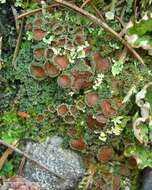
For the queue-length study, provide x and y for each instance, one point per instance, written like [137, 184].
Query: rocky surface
[61, 162]
[146, 180]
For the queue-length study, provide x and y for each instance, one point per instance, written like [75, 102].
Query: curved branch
[35, 11]
[29, 158]
[102, 24]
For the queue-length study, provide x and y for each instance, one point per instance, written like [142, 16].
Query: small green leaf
[142, 155]
[117, 67]
[7, 169]
[109, 15]
[8, 138]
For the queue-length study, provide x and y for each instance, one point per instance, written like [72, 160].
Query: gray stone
[62, 162]
[146, 179]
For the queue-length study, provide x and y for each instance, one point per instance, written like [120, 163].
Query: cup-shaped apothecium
[37, 72]
[105, 154]
[51, 70]
[101, 64]
[62, 61]
[62, 110]
[64, 81]
[91, 99]
[39, 53]
[78, 144]
[38, 34]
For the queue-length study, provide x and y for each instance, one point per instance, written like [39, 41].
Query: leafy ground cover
[73, 79]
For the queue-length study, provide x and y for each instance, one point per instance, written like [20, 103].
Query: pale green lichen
[117, 67]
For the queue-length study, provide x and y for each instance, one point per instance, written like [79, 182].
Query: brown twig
[135, 9]
[29, 13]
[123, 31]
[102, 24]
[29, 158]
[85, 2]
[1, 60]
[35, 11]
[22, 163]
[15, 16]
[1, 47]
[120, 19]
[18, 42]
[97, 11]
[121, 22]
[5, 155]
[123, 54]
[106, 8]
[21, 166]
[122, 13]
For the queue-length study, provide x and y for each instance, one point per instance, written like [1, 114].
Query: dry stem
[18, 42]
[35, 11]
[97, 11]
[85, 2]
[102, 24]
[5, 155]
[29, 158]
[15, 16]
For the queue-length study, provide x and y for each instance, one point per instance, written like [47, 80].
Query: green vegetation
[71, 78]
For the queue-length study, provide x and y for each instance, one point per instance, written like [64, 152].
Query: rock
[64, 163]
[146, 181]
